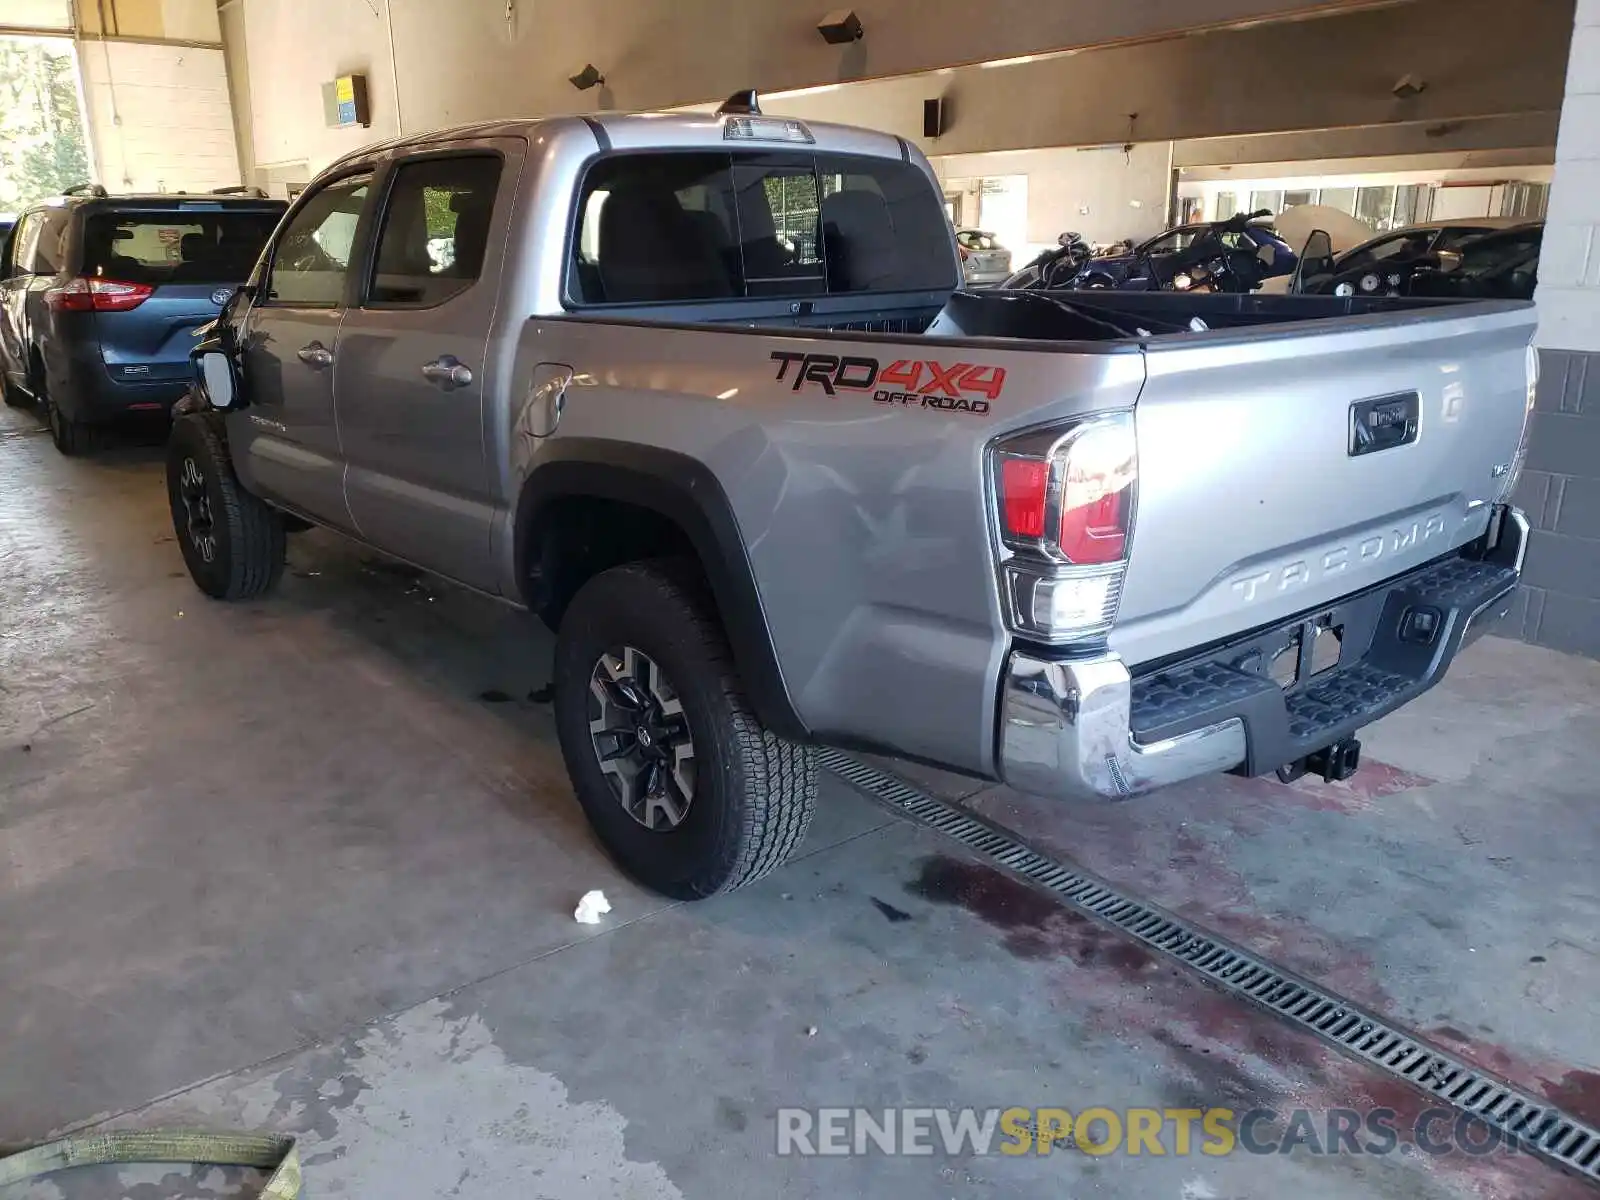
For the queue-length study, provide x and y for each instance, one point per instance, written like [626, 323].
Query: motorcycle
[1213, 261]
[1053, 268]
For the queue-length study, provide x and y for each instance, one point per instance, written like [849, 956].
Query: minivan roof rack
[240, 190]
[745, 103]
[85, 189]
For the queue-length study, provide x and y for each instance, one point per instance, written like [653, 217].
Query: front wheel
[232, 542]
[684, 787]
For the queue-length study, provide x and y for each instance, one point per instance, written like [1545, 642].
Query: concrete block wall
[1560, 488]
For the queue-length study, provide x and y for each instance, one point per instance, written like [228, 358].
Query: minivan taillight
[97, 295]
[1065, 501]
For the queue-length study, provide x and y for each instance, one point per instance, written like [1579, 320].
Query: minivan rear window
[663, 226]
[176, 246]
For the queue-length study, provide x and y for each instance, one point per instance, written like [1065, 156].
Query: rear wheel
[682, 784]
[72, 438]
[231, 541]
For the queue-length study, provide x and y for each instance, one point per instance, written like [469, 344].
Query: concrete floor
[309, 865]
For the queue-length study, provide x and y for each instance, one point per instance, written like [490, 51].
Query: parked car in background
[1496, 266]
[1125, 270]
[101, 296]
[1388, 253]
[1438, 261]
[984, 261]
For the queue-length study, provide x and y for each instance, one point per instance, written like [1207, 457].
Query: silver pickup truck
[704, 394]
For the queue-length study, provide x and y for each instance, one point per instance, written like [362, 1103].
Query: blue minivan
[100, 297]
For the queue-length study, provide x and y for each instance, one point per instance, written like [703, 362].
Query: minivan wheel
[72, 438]
[231, 541]
[684, 787]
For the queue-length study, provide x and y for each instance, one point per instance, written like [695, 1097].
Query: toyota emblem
[220, 296]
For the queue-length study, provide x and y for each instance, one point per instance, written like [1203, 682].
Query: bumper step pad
[1383, 664]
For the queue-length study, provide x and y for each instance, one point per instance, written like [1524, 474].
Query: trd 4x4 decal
[956, 387]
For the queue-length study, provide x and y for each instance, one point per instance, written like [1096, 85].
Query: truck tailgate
[1258, 500]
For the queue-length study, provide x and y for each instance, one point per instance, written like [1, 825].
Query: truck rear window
[176, 246]
[712, 226]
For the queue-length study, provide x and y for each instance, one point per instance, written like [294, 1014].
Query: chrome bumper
[1510, 535]
[1065, 733]
[1066, 728]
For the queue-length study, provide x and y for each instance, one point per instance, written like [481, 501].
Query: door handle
[448, 372]
[316, 355]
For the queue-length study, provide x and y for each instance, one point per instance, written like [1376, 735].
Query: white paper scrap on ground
[591, 907]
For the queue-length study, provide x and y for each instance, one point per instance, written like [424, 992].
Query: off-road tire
[247, 557]
[754, 791]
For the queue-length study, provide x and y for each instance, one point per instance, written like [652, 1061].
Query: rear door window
[174, 246]
[435, 231]
[712, 226]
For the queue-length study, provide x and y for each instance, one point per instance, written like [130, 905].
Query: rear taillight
[1513, 473]
[1024, 483]
[97, 295]
[1065, 500]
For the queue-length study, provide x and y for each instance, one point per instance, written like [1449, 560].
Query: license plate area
[1294, 655]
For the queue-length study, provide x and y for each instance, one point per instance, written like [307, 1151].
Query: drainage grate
[1537, 1125]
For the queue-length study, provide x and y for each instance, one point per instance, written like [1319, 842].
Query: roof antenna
[746, 104]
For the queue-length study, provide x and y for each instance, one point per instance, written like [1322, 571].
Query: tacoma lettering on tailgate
[1339, 559]
[954, 387]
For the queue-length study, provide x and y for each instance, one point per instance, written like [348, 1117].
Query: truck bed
[1079, 317]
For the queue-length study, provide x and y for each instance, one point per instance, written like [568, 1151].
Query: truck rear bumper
[1090, 728]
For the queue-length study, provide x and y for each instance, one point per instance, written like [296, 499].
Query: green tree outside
[42, 150]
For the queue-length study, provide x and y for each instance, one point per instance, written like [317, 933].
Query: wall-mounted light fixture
[587, 78]
[840, 27]
[1408, 86]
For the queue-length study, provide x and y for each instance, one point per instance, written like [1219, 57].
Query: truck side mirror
[1449, 260]
[216, 373]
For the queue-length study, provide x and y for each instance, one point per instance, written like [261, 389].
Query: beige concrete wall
[1299, 76]
[286, 50]
[464, 59]
[1530, 137]
[467, 60]
[1103, 194]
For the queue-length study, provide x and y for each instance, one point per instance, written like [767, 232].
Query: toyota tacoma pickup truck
[704, 393]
